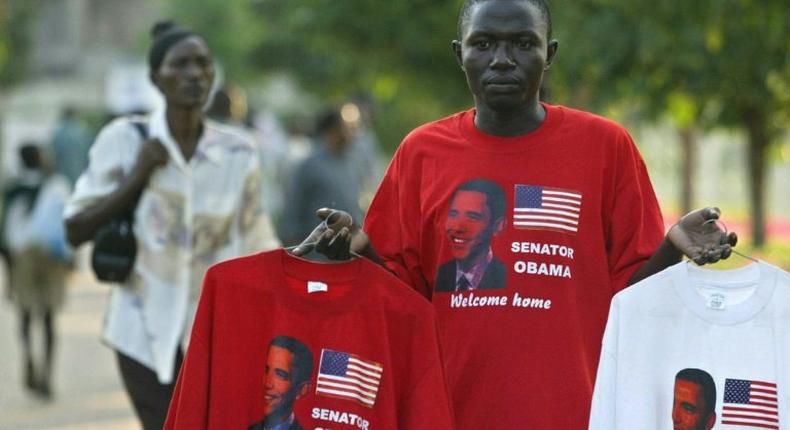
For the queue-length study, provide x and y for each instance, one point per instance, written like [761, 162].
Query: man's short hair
[303, 358]
[495, 197]
[466, 10]
[705, 381]
[328, 120]
[30, 154]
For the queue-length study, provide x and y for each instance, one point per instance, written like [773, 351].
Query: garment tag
[717, 301]
[315, 286]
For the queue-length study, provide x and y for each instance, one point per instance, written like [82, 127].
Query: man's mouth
[501, 80]
[458, 240]
[194, 90]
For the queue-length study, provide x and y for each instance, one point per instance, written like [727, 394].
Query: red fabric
[367, 312]
[521, 367]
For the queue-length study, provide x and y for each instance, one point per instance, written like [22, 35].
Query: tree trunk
[688, 140]
[758, 143]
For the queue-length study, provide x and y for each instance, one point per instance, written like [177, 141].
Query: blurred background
[703, 86]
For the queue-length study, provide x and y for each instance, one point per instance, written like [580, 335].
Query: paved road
[87, 389]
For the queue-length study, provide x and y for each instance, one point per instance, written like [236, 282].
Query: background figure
[329, 177]
[70, 145]
[360, 112]
[694, 404]
[40, 258]
[289, 368]
[194, 186]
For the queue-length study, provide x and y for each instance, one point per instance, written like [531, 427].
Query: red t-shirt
[365, 345]
[580, 216]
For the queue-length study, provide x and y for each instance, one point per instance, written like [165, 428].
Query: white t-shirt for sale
[689, 336]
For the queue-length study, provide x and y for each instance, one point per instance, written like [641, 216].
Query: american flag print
[349, 377]
[543, 208]
[751, 404]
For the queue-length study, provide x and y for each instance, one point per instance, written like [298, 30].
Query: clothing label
[315, 286]
[717, 301]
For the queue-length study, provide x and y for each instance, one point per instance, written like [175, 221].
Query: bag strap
[141, 125]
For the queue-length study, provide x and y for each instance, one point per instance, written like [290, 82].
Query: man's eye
[482, 44]
[524, 44]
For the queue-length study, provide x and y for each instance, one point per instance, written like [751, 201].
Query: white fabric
[729, 323]
[42, 227]
[190, 216]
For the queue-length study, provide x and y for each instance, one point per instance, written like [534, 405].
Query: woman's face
[186, 73]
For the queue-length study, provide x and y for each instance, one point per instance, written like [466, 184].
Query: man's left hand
[698, 236]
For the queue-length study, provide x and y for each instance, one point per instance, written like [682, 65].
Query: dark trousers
[149, 398]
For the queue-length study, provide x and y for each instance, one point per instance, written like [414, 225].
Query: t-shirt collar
[761, 276]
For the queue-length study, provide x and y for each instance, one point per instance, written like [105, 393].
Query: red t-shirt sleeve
[634, 227]
[392, 222]
[189, 405]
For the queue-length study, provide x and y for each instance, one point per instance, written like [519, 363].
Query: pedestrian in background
[40, 259]
[194, 186]
[70, 144]
[331, 176]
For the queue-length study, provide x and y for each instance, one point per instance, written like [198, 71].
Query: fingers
[726, 252]
[338, 219]
[732, 238]
[335, 246]
[324, 213]
[303, 248]
[339, 247]
[711, 213]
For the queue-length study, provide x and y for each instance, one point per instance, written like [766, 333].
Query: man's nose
[193, 70]
[503, 56]
[454, 224]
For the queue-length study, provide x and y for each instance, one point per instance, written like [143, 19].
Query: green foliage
[705, 62]
[398, 52]
[711, 59]
[15, 17]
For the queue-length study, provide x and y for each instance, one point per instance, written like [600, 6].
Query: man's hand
[698, 236]
[332, 237]
[151, 156]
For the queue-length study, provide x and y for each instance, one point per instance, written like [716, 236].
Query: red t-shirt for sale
[310, 345]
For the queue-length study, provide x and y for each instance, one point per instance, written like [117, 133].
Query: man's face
[469, 227]
[279, 390]
[503, 52]
[689, 411]
[186, 73]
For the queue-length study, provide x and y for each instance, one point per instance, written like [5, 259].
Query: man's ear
[710, 421]
[456, 46]
[303, 389]
[499, 226]
[551, 52]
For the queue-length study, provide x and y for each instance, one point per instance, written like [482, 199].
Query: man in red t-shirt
[583, 224]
